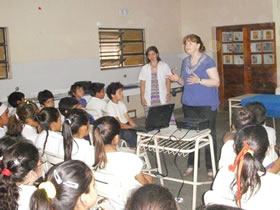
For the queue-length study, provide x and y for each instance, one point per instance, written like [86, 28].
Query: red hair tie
[239, 161]
[6, 172]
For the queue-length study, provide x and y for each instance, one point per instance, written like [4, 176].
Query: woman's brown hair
[195, 38]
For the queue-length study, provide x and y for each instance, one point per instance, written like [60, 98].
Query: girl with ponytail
[49, 138]
[126, 166]
[19, 169]
[246, 183]
[75, 128]
[69, 185]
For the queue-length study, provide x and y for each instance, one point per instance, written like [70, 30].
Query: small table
[235, 102]
[177, 142]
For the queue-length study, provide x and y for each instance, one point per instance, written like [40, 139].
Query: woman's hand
[168, 97]
[174, 77]
[193, 79]
[143, 101]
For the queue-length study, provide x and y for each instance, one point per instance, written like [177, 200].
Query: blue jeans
[204, 112]
[129, 136]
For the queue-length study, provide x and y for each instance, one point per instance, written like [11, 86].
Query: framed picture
[238, 48]
[238, 36]
[227, 37]
[256, 59]
[256, 46]
[268, 59]
[227, 59]
[238, 59]
[268, 46]
[268, 34]
[227, 48]
[256, 35]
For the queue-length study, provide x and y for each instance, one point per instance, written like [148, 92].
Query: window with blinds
[121, 47]
[4, 67]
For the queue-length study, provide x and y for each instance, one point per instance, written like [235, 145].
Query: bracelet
[200, 80]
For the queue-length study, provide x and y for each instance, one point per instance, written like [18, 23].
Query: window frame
[120, 44]
[6, 60]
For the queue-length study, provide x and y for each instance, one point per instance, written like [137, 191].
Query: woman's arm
[213, 81]
[175, 78]
[168, 86]
[142, 92]
[144, 178]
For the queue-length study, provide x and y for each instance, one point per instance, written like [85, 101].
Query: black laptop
[158, 117]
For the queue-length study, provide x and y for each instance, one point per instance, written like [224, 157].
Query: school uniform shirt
[3, 131]
[228, 155]
[163, 71]
[117, 110]
[125, 166]
[25, 193]
[272, 142]
[267, 197]
[82, 151]
[54, 141]
[98, 105]
[29, 132]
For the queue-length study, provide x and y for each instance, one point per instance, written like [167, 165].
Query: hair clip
[27, 101]
[6, 172]
[16, 162]
[100, 127]
[16, 115]
[1, 157]
[59, 180]
[69, 121]
[49, 188]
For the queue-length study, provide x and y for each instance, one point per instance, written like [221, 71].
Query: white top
[96, 105]
[117, 110]
[163, 71]
[82, 151]
[266, 198]
[25, 193]
[29, 132]
[3, 131]
[54, 141]
[228, 155]
[272, 142]
[125, 166]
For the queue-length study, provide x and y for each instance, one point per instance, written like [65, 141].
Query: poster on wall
[268, 59]
[238, 59]
[268, 46]
[256, 59]
[227, 59]
[256, 46]
[227, 48]
[256, 35]
[268, 34]
[227, 37]
[238, 36]
[238, 48]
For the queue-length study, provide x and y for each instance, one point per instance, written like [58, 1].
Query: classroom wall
[53, 43]
[201, 17]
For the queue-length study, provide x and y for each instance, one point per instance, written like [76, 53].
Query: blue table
[270, 101]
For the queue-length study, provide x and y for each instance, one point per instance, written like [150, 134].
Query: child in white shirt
[97, 105]
[4, 118]
[116, 108]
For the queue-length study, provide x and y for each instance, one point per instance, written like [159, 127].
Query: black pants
[204, 112]
[129, 136]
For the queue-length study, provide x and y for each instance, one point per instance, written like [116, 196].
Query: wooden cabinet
[246, 60]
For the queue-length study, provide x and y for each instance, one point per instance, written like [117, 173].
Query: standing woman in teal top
[200, 98]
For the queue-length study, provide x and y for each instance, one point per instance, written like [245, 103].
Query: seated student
[152, 196]
[241, 118]
[260, 113]
[69, 185]
[218, 207]
[46, 98]
[125, 166]
[4, 118]
[14, 99]
[49, 137]
[68, 103]
[116, 108]
[245, 183]
[75, 129]
[19, 169]
[26, 114]
[97, 103]
[77, 91]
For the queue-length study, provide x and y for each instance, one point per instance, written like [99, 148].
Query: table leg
[212, 154]
[195, 173]
[229, 112]
[158, 160]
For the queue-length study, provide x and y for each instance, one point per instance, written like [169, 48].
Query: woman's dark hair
[96, 87]
[66, 197]
[154, 49]
[5, 143]
[258, 110]
[152, 197]
[218, 207]
[243, 117]
[71, 126]
[19, 159]
[195, 38]
[14, 126]
[44, 95]
[45, 117]
[73, 89]
[112, 89]
[26, 110]
[104, 131]
[256, 137]
[66, 104]
[14, 98]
